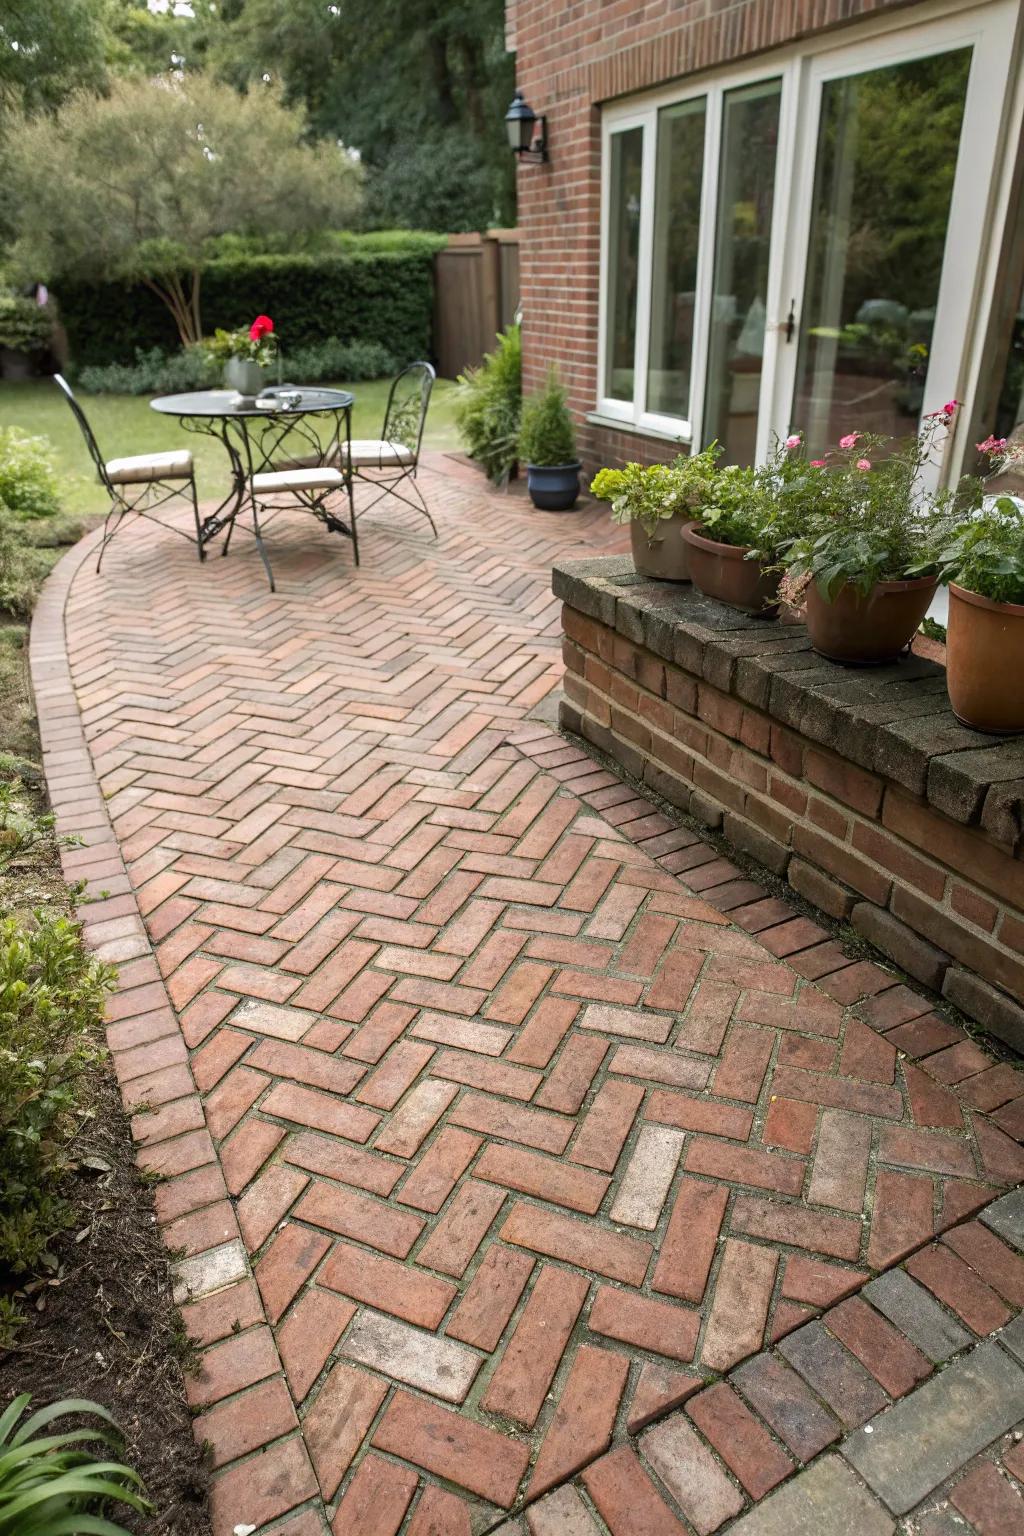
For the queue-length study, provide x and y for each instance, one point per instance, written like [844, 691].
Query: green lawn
[125, 424]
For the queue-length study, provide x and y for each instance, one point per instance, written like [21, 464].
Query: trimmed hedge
[383, 296]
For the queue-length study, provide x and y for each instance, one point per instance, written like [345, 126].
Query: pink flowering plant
[875, 517]
[762, 510]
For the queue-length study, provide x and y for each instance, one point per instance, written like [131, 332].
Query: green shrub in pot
[657, 501]
[866, 561]
[982, 562]
[547, 445]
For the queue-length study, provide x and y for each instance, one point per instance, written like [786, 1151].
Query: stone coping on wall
[859, 786]
[892, 720]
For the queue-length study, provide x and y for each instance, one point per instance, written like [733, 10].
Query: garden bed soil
[103, 1325]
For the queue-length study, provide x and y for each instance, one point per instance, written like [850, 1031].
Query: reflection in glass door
[883, 185]
[746, 197]
[623, 270]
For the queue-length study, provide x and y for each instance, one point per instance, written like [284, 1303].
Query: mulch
[103, 1325]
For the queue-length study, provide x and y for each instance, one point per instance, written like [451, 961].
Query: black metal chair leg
[200, 549]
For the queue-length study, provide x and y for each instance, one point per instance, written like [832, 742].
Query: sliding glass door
[796, 245]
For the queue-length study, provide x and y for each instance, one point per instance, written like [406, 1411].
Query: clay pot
[864, 630]
[985, 662]
[723, 571]
[662, 554]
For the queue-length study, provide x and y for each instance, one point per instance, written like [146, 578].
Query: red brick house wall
[571, 56]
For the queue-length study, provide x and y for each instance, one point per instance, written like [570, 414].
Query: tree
[47, 50]
[419, 88]
[135, 184]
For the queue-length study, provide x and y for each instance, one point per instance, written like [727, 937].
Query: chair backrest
[406, 413]
[83, 422]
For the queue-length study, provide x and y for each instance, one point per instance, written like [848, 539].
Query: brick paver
[528, 1125]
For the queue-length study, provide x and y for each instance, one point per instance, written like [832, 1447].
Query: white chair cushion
[374, 453]
[176, 465]
[321, 479]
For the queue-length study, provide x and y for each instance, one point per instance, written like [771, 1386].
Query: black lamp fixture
[527, 133]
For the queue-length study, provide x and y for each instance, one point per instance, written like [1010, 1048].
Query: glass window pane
[674, 270]
[887, 149]
[623, 251]
[746, 190]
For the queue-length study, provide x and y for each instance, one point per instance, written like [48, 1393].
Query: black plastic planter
[553, 487]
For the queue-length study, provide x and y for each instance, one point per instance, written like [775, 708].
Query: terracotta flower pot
[861, 629]
[723, 571]
[985, 662]
[661, 553]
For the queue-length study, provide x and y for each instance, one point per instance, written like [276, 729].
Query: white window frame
[992, 124]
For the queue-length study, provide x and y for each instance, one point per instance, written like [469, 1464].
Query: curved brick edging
[213, 1279]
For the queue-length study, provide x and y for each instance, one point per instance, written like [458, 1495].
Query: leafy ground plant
[52, 1484]
[489, 405]
[28, 481]
[51, 1007]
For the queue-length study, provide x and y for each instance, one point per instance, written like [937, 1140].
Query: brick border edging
[79, 807]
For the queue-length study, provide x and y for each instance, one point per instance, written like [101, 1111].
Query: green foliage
[25, 326]
[736, 513]
[159, 373]
[985, 553]
[876, 520]
[153, 373]
[438, 177]
[51, 1484]
[546, 434]
[132, 185]
[646, 493]
[51, 1011]
[419, 89]
[489, 407]
[28, 481]
[18, 585]
[364, 294]
[764, 509]
[58, 48]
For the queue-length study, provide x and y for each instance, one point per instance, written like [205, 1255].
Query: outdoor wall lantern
[527, 133]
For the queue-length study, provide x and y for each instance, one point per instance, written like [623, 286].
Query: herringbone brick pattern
[521, 1133]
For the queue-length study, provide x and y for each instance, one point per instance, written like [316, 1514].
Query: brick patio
[497, 1113]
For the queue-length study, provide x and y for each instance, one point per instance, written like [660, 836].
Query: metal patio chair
[132, 482]
[391, 461]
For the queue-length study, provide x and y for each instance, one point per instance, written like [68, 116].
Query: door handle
[790, 325]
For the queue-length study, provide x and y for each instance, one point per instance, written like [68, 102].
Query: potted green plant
[547, 444]
[25, 332]
[736, 547]
[247, 356]
[865, 565]
[658, 501]
[983, 564]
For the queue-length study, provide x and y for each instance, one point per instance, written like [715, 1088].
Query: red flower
[261, 326]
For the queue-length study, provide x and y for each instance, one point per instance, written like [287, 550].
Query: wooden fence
[476, 294]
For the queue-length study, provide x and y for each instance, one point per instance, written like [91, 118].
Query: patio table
[281, 426]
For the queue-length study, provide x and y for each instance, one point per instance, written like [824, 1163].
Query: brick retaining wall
[859, 787]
